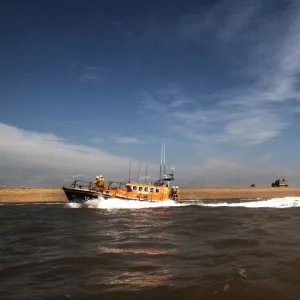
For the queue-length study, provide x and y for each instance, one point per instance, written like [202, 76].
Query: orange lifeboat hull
[138, 191]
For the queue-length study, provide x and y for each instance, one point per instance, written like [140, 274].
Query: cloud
[128, 140]
[145, 179]
[89, 77]
[224, 21]
[77, 176]
[239, 17]
[91, 73]
[164, 99]
[41, 159]
[230, 120]
[264, 93]
[91, 68]
[96, 140]
[237, 171]
[284, 76]
[28, 157]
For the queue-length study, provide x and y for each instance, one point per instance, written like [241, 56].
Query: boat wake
[114, 203]
[284, 202]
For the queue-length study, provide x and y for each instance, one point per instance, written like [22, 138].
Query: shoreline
[26, 195]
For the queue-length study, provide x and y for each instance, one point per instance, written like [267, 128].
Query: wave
[229, 289]
[114, 203]
[284, 202]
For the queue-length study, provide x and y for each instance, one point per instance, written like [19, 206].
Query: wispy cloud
[78, 176]
[127, 140]
[96, 140]
[228, 121]
[28, 157]
[91, 68]
[164, 99]
[260, 109]
[224, 21]
[89, 77]
[33, 158]
[90, 73]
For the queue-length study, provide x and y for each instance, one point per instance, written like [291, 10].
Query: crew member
[173, 192]
[177, 193]
[99, 182]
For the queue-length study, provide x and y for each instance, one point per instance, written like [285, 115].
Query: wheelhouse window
[134, 188]
[151, 190]
[140, 188]
[146, 189]
[128, 188]
[157, 190]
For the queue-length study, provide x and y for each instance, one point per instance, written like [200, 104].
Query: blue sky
[109, 81]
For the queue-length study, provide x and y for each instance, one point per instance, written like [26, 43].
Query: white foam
[114, 203]
[284, 202]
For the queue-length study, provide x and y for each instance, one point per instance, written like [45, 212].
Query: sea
[116, 249]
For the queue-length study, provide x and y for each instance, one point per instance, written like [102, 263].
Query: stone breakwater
[56, 194]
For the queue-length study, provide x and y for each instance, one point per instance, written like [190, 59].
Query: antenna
[164, 159]
[172, 172]
[146, 173]
[139, 171]
[161, 161]
[129, 171]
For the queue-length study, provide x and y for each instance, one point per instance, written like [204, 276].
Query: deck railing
[81, 184]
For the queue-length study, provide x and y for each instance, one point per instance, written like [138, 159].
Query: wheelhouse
[136, 188]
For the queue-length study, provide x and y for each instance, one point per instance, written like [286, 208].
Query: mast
[161, 161]
[164, 159]
[139, 171]
[129, 171]
[146, 173]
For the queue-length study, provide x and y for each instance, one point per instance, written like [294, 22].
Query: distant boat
[279, 182]
[158, 191]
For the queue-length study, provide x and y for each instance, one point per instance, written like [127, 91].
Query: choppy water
[132, 250]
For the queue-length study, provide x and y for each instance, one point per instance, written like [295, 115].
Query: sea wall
[56, 195]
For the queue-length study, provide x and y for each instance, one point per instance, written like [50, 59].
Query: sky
[88, 86]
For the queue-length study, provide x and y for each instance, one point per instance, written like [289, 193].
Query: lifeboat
[160, 190]
[80, 192]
